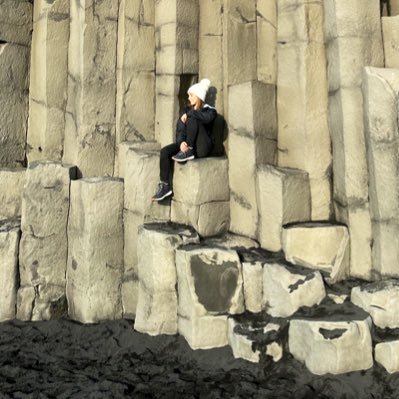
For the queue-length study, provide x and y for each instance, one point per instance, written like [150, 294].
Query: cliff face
[307, 132]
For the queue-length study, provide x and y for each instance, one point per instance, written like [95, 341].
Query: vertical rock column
[9, 240]
[211, 49]
[11, 186]
[353, 35]
[176, 30]
[90, 113]
[252, 142]
[302, 99]
[141, 178]
[48, 80]
[380, 91]
[390, 34]
[95, 252]
[15, 38]
[135, 99]
[43, 247]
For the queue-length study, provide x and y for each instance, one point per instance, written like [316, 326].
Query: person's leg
[192, 126]
[203, 145]
[165, 161]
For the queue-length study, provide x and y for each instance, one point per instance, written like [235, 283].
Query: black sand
[63, 359]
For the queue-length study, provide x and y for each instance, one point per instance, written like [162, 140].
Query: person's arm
[206, 115]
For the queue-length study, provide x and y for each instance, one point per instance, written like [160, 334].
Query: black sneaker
[162, 192]
[184, 156]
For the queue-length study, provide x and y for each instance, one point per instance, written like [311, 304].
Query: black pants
[196, 137]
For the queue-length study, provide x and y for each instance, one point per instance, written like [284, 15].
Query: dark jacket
[206, 116]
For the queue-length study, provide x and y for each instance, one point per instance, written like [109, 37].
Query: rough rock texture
[380, 300]
[286, 289]
[209, 285]
[252, 273]
[324, 247]
[140, 168]
[135, 72]
[90, 111]
[9, 242]
[11, 185]
[48, 80]
[252, 129]
[387, 354]
[176, 43]
[43, 246]
[380, 90]
[231, 241]
[302, 98]
[95, 250]
[333, 347]
[283, 196]
[207, 210]
[390, 34]
[353, 34]
[156, 311]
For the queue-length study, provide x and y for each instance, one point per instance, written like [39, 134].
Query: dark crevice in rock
[332, 334]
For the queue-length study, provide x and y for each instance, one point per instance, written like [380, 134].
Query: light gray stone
[252, 273]
[380, 90]
[11, 185]
[48, 80]
[43, 246]
[9, 242]
[286, 289]
[302, 99]
[387, 354]
[380, 300]
[323, 247]
[156, 311]
[334, 347]
[232, 241]
[90, 112]
[390, 34]
[95, 250]
[283, 196]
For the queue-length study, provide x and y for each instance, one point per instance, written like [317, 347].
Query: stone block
[387, 354]
[319, 246]
[239, 38]
[334, 347]
[43, 246]
[390, 34]
[14, 77]
[252, 273]
[266, 29]
[286, 289]
[204, 332]
[283, 197]
[16, 22]
[9, 242]
[208, 219]
[231, 241]
[156, 311]
[380, 87]
[95, 253]
[90, 112]
[11, 185]
[48, 80]
[380, 300]
[209, 173]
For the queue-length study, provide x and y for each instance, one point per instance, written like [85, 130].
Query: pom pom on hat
[200, 89]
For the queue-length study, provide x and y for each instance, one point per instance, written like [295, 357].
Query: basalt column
[15, 38]
[176, 34]
[43, 247]
[135, 99]
[90, 113]
[302, 98]
[353, 35]
[48, 80]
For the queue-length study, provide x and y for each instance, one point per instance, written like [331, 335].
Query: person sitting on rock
[193, 138]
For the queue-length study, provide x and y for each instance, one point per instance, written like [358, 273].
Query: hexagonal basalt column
[156, 311]
[209, 285]
[95, 253]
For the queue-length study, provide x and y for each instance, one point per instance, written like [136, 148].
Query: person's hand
[184, 146]
[184, 118]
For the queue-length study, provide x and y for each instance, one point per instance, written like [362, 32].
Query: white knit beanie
[200, 89]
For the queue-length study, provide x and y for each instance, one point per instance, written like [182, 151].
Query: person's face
[193, 100]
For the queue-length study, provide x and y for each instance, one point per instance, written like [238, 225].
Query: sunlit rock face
[387, 354]
[12, 182]
[156, 311]
[44, 243]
